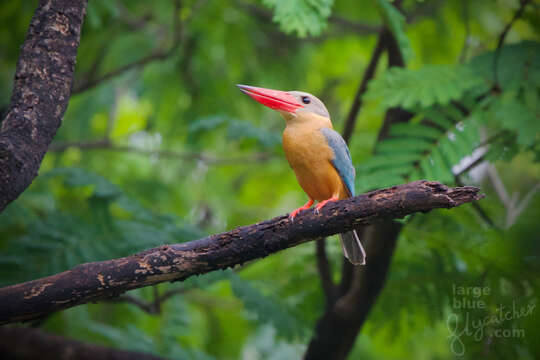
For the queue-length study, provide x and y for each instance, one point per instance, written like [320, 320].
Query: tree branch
[325, 272]
[91, 83]
[28, 343]
[368, 75]
[157, 55]
[501, 39]
[147, 307]
[41, 91]
[106, 144]
[101, 280]
[153, 307]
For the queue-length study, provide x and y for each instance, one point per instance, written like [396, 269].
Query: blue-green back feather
[342, 158]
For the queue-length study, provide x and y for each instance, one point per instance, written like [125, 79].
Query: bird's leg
[306, 206]
[320, 205]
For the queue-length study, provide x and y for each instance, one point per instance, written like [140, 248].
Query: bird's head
[291, 104]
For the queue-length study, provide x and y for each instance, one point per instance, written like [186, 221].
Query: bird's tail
[352, 248]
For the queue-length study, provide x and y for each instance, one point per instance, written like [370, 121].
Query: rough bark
[337, 329]
[20, 343]
[102, 280]
[41, 91]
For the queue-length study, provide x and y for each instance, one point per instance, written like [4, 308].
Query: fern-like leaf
[425, 150]
[305, 17]
[267, 309]
[432, 84]
[396, 22]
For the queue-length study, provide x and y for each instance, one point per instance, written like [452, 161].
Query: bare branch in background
[354, 26]
[105, 279]
[134, 22]
[105, 144]
[513, 206]
[153, 307]
[501, 39]
[369, 73]
[147, 307]
[422, 9]
[157, 55]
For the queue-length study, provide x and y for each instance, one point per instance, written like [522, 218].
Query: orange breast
[310, 157]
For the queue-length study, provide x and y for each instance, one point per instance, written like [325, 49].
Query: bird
[317, 154]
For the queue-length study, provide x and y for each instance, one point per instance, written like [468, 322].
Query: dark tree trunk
[42, 86]
[338, 327]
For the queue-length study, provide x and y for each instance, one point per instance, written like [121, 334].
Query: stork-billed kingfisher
[318, 155]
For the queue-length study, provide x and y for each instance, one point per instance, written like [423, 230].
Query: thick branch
[106, 279]
[41, 91]
[28, 343]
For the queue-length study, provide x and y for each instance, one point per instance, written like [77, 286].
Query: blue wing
[342, 158]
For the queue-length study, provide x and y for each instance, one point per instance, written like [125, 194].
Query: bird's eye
[306, 99]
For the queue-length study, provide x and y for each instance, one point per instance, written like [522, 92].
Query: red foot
[306, 206]
[320, 205]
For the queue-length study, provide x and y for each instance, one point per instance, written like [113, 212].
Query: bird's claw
[320, 205]
[293, 213]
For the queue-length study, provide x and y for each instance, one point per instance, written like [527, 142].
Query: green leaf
[396, 22]
[518, 63]
[415, 130]
[432, 84]
[305, 17]
[267, 309]
[403, 145]
[76, 177]
[387, 160]
[436, 117]
[510, 113]
[418, 151]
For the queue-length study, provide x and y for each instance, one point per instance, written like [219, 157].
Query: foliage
[444, 133]
[268, 309]
[305, 17]
[165, 174]
[107, 224]
[396, 23]
[430, 147]
[432, 84]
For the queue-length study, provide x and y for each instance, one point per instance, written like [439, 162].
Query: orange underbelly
[310, 157]
[320, 181]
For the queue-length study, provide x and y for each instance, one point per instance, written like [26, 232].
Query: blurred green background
[159, 146]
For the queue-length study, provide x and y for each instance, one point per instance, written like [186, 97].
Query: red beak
[274, 99]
